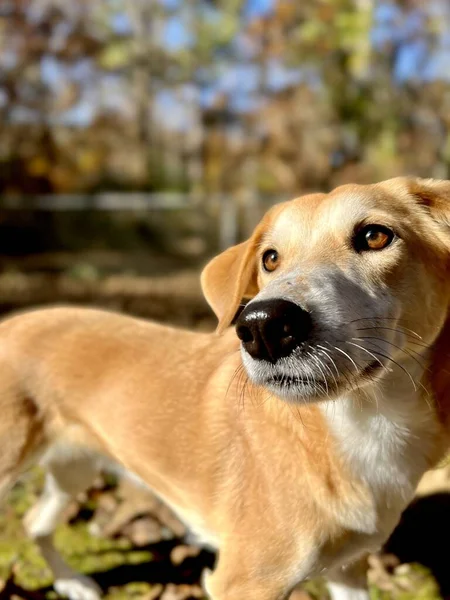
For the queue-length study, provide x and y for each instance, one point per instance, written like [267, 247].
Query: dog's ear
[230, 277]
[437, 380]
[434, 196]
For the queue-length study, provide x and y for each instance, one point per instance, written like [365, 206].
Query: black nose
[271, 329]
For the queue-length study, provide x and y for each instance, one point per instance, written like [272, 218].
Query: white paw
[204, 580]
[77, 587]
[339, 591]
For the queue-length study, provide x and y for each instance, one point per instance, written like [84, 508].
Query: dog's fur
[289, 477]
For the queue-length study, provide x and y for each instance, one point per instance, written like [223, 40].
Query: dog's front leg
[237, 578]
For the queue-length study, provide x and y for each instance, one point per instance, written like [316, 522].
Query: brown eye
[373, 237]
[270, 260]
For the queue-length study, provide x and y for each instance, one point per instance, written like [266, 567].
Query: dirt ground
[131, 543]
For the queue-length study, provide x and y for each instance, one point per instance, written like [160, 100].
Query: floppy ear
[438, 376]
[228, 278]
[434, 195]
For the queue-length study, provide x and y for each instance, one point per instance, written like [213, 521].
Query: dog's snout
[271, 329]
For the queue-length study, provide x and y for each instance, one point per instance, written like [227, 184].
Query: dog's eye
[373, 237]
[270, 260]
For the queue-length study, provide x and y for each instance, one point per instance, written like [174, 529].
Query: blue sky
[406, 31]
[414, 61]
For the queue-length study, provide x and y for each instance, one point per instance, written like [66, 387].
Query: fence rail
[232, 214]
[110, 201]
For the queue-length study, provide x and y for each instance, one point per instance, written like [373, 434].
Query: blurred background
[140, 137]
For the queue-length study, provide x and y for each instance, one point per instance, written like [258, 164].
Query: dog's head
[342, 286]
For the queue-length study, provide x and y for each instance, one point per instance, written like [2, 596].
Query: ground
[134, 548]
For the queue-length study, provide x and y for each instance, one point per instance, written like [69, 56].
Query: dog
[292, 442]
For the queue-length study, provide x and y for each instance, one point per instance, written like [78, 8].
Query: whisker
[404, 350]
[241, 385]
[397, 329]
[299, 414]
[388, 319]
[365, 350]
[236, 373]
[241, 378]
[307, 379]
[349, 381]
[325, 351]
[410, 341]
[428, 398]
[264, 400]
[325, 366]
[398, 365]
[347, 356]
[330, 358]
[419, 383]
[421, 345]
[314, 358]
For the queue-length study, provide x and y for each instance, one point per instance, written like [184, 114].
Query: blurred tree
[244, 96]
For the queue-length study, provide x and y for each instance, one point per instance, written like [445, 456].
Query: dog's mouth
[287, 380]
[312, 385]
[291, 386]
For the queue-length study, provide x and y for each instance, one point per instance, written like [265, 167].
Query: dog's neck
[386, 434]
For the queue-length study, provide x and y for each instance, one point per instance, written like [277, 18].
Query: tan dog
[293, 451]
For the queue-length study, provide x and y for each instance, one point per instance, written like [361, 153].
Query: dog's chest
[379, 448]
